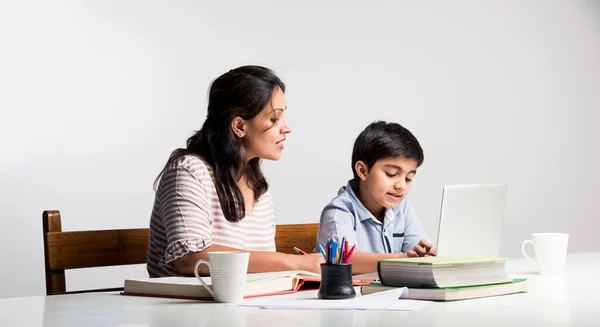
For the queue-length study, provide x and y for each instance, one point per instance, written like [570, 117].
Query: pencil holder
[336, 282]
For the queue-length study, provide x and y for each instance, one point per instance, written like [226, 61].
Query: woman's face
[263, 135]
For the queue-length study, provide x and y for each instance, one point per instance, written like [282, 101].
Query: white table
[569, 300]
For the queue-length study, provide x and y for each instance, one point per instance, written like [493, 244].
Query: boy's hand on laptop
[424, 248]
[432, 252]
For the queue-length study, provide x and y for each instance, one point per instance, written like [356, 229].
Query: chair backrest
[85, 249]
[101, 248]
[303, 236]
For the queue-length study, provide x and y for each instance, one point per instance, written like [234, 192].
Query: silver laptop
[471, 220]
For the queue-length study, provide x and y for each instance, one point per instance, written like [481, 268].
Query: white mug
[227, 274]
[550, 252]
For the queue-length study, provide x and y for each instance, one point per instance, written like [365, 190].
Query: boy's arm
[413, 231]
[366, 262]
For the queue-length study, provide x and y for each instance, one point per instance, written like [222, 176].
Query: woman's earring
[241, 134]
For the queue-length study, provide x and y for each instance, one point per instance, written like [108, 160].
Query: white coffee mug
[550, 252]
[227, 274]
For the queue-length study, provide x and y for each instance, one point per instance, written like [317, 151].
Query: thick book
[261, 284]
[453, 293]
[442, 272]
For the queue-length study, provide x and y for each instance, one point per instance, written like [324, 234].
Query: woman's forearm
[260, 261]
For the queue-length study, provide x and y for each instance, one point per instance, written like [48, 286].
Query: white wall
[95, 95]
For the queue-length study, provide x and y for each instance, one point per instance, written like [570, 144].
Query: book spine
[379, 272]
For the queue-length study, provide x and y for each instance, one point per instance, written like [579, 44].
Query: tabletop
[566, 300]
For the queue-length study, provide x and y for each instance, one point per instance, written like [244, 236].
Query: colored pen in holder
[336, 282]
[336, 272]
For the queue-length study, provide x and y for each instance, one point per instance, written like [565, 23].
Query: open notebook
[262, 284]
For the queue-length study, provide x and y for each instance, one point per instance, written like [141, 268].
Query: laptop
[471, 220]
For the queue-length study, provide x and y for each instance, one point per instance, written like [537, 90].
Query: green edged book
[453, 293]
[442, 272]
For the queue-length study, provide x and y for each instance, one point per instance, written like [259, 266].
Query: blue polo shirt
[400, 231]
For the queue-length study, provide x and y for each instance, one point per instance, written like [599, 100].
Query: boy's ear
[361, 170]
[238, 125]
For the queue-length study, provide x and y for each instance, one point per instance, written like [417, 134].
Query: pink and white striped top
[187, 217]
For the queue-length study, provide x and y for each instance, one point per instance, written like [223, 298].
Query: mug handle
[525, 254]
[198, 263]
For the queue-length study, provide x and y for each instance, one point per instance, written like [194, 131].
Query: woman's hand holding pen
[309, 262]
[299, 251]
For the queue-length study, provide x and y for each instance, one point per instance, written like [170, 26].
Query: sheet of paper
[407, 305]
[308, 300]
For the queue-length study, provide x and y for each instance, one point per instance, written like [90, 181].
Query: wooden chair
[303, 236]
[85, 249]
[101, 248]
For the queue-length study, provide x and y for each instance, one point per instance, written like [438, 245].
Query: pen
[349, 254]
[299, 251]
[342, 250]
[322, 251]
[346, 249]
[334, 252]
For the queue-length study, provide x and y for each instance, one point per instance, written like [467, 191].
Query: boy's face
[387, 182]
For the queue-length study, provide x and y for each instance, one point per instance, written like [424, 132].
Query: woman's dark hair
[382, 140]
[243, 92]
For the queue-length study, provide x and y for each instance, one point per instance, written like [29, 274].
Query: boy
[372, 211]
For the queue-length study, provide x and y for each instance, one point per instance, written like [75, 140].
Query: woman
[212, 195]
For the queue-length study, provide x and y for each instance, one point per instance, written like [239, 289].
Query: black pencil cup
[336, 282]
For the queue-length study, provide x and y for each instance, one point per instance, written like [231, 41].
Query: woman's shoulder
[267, 196]
[190, 167]
[194, 163]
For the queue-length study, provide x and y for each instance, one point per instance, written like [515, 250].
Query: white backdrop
[95, 94]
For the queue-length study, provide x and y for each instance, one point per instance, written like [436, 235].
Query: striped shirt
[187, 217]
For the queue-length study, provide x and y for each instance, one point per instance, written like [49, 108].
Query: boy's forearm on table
[365, 262]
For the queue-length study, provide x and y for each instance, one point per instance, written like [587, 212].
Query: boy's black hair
[382, 140]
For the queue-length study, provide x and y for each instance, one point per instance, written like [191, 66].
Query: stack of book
[446, 278]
